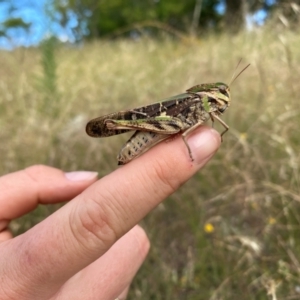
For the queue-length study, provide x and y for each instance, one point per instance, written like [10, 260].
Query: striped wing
[171, 107]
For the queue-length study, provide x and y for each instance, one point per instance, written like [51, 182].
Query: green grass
[232, 231]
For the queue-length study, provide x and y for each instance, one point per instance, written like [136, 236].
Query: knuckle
[36, 170]
[95, 225]
[169, 180]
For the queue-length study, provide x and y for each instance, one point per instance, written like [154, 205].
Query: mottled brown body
[156, 122]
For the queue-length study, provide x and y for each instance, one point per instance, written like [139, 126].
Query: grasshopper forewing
[156, 122]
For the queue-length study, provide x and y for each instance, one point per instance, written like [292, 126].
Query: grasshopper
[156, 122]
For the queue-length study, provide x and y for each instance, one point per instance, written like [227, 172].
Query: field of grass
[232, 231]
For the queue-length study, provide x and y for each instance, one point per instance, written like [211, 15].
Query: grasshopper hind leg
[140, 142]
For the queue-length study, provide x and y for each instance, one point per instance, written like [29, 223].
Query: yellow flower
[243, 136]
[272, 221]
[183, 281]
[209, 228]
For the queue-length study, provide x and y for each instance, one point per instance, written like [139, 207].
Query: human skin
[92, 247]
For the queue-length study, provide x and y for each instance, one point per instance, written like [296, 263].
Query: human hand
[91, 248]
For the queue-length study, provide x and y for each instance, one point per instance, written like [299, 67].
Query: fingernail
[204, 144]
[81, 175]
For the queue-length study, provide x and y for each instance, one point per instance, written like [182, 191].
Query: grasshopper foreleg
[222, 122]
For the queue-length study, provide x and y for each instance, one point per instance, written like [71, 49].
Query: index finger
[87, 227]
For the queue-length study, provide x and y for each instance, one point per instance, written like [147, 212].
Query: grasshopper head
[218, 94]
[222, 96]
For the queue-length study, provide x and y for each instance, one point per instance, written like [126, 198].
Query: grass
[232, 231]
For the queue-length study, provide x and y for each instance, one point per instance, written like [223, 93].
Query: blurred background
[233, 230]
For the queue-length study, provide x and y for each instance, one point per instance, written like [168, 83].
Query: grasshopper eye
[222, 108]
[224, 90]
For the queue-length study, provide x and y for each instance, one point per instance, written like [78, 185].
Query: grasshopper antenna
[234, 78]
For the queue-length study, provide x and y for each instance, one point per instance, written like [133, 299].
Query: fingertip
[141, 240]
[39, 184]
[204, 143]
[5, 235]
